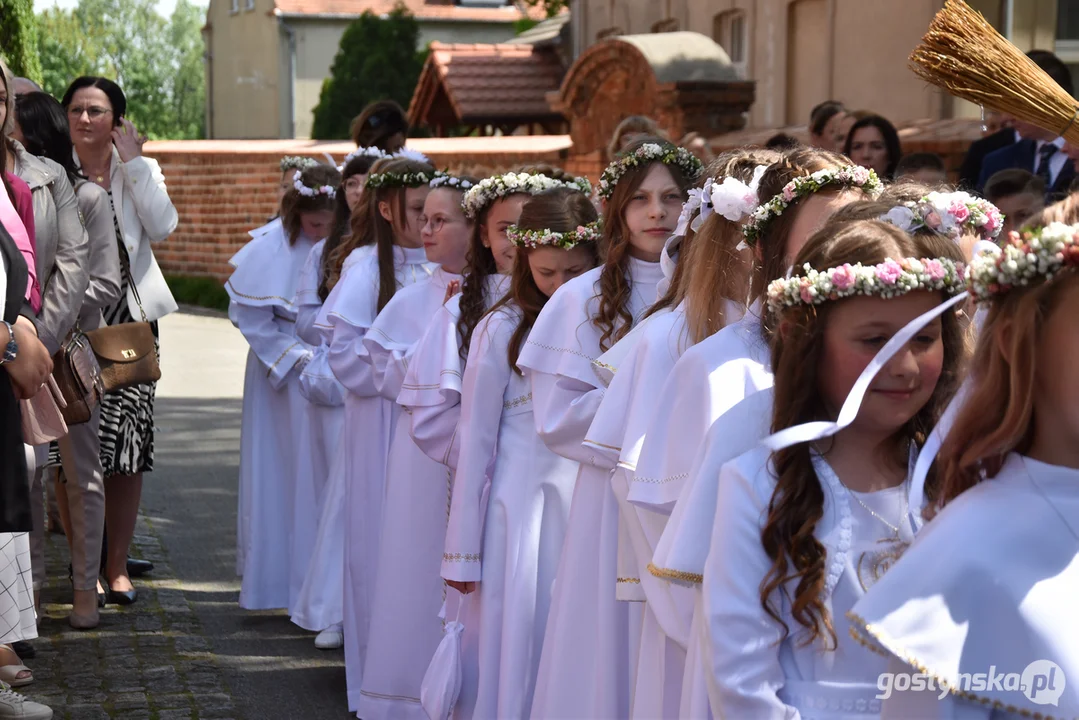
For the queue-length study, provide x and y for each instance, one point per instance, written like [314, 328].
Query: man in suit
[999, 137]
[1039, 151]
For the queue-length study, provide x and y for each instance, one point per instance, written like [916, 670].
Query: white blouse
[317, 382]
[755, 671]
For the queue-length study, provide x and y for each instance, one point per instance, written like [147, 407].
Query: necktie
[1045, 153]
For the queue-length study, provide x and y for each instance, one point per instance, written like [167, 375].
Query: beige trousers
[81, 477]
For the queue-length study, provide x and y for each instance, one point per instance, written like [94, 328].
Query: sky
[163, 6]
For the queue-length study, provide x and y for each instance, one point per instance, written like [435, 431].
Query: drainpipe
[208, 62]
[1008, 21]
[291, 33]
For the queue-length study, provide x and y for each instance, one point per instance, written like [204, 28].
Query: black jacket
[971, 169]
[1021, 155]
[14, 488]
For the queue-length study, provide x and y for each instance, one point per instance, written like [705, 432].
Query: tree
[157, 61]
[377, 60]
[19, 38]
[550, 7]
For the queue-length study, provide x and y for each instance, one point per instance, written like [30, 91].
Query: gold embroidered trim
[381, 696]
[605, 366]
[350, 322]
[659, 481]
[287, 301]
[865, 642]
[891, 646]
[278, 360]
[380, 332]
[410, 386]
[517, 402]
[627, 466]
[450, 372]
[668, 574]
[578, 353]
[446, 461]
[599, 444]
[630, 581]
[462, 557]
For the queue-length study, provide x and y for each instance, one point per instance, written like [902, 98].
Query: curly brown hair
[613, 318]
[797, 503]
[382, 124]
[294, 205]
[559, 210]
[370, 228]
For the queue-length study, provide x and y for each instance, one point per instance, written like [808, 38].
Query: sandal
[10, 675]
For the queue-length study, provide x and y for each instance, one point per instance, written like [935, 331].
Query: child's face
[652, 213]
[317, 225]
[857, 329]
[503, 213]
[554, 267]
[1056, 394]
[813, 212]
[445, 230]
[1018, 209]
[409, 235]
[354, 190]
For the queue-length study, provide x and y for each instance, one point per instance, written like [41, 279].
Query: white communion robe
[586, 668]
[317, 605]
[431, 390]
[989, 584]
[754, 672]
[619, 431]
[356, 489]
[513, 548]
[405, 627]
[261, 292]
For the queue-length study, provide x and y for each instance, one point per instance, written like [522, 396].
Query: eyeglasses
[435, 223]
[93, 112]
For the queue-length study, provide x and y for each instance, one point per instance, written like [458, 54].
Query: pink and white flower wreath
[888, 279]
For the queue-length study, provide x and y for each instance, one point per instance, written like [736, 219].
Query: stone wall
[223, 189]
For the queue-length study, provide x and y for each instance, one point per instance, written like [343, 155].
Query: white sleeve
[277, 350]
[564, 409]
[435, 430]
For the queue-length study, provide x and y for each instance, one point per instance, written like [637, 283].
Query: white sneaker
[331, 638]
[15, 706]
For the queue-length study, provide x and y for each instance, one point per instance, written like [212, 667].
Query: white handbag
[442, 682]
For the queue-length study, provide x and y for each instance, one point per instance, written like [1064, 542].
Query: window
[235, 7]
[729, 30]
[1067, 44]
[249, 4]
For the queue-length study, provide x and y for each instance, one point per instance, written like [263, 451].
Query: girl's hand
[464, 588]
[127, 140]
[31, 368]
[452, 289]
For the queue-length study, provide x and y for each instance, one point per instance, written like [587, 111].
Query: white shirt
[1056, 161]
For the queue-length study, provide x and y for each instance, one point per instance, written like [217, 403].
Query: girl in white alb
[586, 665]
[408, 592]
[1006, 505]
[383, 254]
[512, 550]
[261, 292]
[432, 388]
[620, 423]
[803, 528]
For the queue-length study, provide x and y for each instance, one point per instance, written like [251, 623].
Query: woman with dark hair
[873, 142]
[41, 126]
[825, 121]
[108, 150]
[382, 124]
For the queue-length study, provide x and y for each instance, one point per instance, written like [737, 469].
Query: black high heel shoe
[127, 597]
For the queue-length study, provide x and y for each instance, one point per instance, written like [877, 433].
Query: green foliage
[157, 61]
[198, 291]
[19, 38]
[551, 7]
[523, 25]
[377, 60]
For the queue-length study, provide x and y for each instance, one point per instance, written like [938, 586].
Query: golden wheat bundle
[966, 56]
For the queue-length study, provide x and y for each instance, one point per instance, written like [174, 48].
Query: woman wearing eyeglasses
[108, 150]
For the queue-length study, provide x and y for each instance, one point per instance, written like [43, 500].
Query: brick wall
[223, 189]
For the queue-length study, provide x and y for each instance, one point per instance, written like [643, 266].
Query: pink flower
[843, 277]
[860, 175]
[992, 220]
[806, 292]
[581, 229]
[788, 193]
[934, 269]
[932, 220]
[959, 211]
[888, 272]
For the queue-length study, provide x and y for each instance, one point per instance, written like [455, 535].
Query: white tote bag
[442, 682]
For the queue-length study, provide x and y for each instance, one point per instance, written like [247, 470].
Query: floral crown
[371, 152]
[851, 176]
[293, 162]
[328, 190]
[730, 197]
[590, 233]
[688, 163]
[1023, 260]
[382, 180]
[888, 279]
[948, 214]
[495, 188]
[450, 181]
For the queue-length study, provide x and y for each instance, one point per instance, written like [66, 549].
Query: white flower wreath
[851, 176]
[1023, 260]
[293, 162]
[688, 163]
[371, 152]
[948, 214]
[377, 181]
[888, 279]
[328, 190]
[450, 181]
[495, 188]
[590, 233]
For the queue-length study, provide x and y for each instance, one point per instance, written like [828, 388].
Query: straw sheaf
[965, 55]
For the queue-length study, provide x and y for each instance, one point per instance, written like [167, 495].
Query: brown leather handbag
[126, 352]
[78, 376]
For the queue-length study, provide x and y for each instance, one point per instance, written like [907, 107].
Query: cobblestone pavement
[185, 649]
